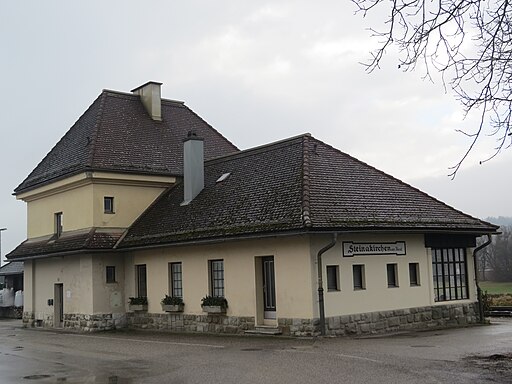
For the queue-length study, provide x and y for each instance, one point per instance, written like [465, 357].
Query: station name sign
[369, 249]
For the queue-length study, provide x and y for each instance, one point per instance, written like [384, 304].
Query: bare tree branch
[469, 42]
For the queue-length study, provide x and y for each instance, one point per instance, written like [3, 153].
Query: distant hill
[501, 220]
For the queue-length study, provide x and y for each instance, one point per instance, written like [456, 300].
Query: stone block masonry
[420, 318]
[190, 323]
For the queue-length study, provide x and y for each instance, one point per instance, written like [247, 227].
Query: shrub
[172, 300]
[214, 301]
[138, 300]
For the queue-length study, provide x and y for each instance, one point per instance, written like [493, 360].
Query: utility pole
[1, 259]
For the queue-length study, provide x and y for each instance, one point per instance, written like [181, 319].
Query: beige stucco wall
[84, 284]
[292, 269]
[81, 202]
[72, 272]
[75, 205]
[108, 297]
[377, 296]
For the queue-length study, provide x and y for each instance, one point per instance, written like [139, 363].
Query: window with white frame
[392, 273]
[108, 204]
[58, 224]
[141, 277]
[216, 278]
[414, 274]
[333, 280]
[175, 280]
[358, 276]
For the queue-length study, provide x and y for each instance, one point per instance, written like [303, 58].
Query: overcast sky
[257, 71]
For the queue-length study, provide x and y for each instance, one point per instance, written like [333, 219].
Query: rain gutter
[481, 317]
[321, 305]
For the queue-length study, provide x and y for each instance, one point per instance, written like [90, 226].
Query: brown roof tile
[94, 239]
[117, 134]
[300, 184]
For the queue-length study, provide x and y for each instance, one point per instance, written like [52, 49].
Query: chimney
[151, 98]
[193, 167]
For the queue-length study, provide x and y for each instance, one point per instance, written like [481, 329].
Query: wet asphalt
[480, 354]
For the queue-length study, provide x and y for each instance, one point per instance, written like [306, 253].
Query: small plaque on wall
[351, 249]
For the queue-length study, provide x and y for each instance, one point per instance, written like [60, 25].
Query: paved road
[472, 355]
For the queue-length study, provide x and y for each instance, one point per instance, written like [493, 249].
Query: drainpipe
[478, 289]
[321, 283]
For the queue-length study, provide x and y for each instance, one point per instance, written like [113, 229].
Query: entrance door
[269, 287]
[58, 306]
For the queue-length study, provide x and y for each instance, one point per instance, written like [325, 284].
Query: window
[333, 283]
[142, 289]
[414, 273]
[58, 224]
[217, 278]
[175, 280]
[358, 276]
[108, 204]
[111, 274]
[449, 271]
[392, 271]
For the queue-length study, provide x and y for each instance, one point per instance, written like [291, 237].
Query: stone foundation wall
[450, 315]
[79, 322]
[179, 322]
[94, 323]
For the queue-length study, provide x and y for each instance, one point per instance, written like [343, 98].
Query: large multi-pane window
[449, 268]
[142, 288]
[217, 278]
[176, 281]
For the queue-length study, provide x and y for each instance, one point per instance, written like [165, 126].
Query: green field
[494, 287]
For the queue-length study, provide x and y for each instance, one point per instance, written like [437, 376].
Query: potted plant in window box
[214, 304]
[138, 303]
[172, 304]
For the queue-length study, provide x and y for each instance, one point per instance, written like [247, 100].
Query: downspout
[478, 289]
[321, 306]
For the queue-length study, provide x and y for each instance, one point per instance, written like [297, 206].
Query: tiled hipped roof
[300, 184]
[117, 134]
[91, 240]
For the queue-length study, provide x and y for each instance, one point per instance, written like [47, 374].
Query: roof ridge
[259, 149]
[404, 183]
[116, 93]
[96, 128]
[306, 213]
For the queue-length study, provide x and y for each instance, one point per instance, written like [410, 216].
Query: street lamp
[1, 229]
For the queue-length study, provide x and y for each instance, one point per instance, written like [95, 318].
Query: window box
[172, 304]
[214, 309]
[138, 304]
[138, 307]
[214, 304]
[173, 307]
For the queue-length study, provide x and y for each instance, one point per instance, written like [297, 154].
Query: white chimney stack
[193, 167]
[150, 96]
